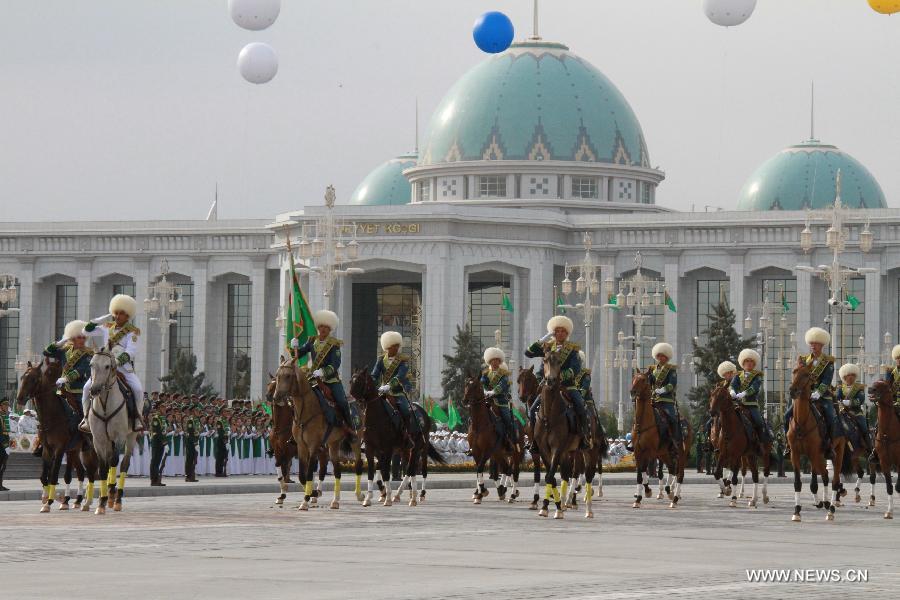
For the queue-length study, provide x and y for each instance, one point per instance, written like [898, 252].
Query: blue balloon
[493, 32]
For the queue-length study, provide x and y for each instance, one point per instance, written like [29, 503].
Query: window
[625, 190]
[486, 314]
[425, 191]
[9, 348]
[66, 307]
[654, 327]
[780, 356]
[710, 292]
[380, 307]
[123, 288]
[238, 329]
[584, 187]
[181, 333]
[645, 193]
[492, 186]
[850, 325]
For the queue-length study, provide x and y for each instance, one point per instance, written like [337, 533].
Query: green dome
[803, 176]
[536, 101]
[386, 185]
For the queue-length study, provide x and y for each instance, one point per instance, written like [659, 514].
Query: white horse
[111, 429]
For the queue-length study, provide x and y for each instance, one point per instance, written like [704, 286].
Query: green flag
[613, 301]
[669, 302]
[452, 415]
[507, 305]
[784, 303]
[518, 415]
[559, 303]
[299, 322]
[267, 407]
[436, 413]
[853, 301]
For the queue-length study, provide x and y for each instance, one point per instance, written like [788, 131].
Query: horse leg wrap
[358, 489]
[51, 493]
[565, 490]
[90, 492]
[122, 481]
[309, 489]
[548, 491]
[111, 476]
[337, 489]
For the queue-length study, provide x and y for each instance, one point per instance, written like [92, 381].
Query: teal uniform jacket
[326, 355]
[893, 377]
[822, 373]
[76, 365]
[4, 431]
[498, 381]
[664, 376]
[749, 382]
[571, 365]
[855, 394]
[396, 375]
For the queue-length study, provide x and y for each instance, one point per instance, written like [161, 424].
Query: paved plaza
[240, 546]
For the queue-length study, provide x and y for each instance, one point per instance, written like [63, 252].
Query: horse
[528, 392]
[383, 441]
[486, 443]
[856, 458]
[58, 436]
[111, 429]
[645, 438]
[587, 463]
[887, 438]
[804, 440]
[311, 431]
[736, 449]
[556, 442]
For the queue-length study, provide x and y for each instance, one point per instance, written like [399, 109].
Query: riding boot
[586, 441]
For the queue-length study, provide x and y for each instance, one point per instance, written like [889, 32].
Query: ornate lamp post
[9, 294]
[587, 287]
[333, 244]
[623, 359]
[164, 301]
[766, 311]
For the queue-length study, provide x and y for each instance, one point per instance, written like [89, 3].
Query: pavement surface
[242, 546]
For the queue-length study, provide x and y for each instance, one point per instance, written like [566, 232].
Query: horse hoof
[820, 504]
[382, 498]
[765, 499]
[829, 517]
[512, 500]
[795, 518]
[542, 512]
[304, 506]
[360, 496]
[413, 502]
[367, 502]
[86, 508]
[396, 498]
[77, 506]
[838, 503]
[888, 515]
[751, 504]
[279, 501]
[636, 504]
[476, 501]
[558, 514]
[532, 506]
[388, 502]
[63, 506]
[673, 505]
[600, 493]
[857, 498]
[733, 503]
[313, 501]
[871, 501]
[100, 510]
[45, 508]
[589, 514]
[659, 496]
[721, 495]
[117, 507]
[335, 505]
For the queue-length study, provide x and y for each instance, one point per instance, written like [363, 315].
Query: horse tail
[435, 455]
[346, 448]
[847, 464]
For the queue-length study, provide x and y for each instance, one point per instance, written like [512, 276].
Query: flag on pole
[784, 303]
[853, 301]
[613, 302]
[669, 302]
[452, 416]
[507, 304]
[560, 302]
[435, 411]
[299, 322]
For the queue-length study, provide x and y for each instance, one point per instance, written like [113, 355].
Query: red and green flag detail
[669, 302]
[436, 412]
[452, 415]
[299, 321]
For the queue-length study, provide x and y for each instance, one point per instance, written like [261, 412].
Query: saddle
[820, 421]
[662, 426]
[326, 402]
[749, 429]
[854, 434]
[570, 412]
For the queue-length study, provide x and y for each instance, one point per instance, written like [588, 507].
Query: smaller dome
[803, 177]
[386, 185]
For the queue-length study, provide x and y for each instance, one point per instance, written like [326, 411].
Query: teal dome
[386, 185]
[536, 101]
[803, 176]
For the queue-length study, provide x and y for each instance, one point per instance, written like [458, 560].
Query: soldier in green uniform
[745, 389]
[391, 373]
[4, 439]
[698, 449]
[495, 381]
[157, 445]
[191, 440]
[664, 381]
[851, 397]
[779, 453]
[221, 445]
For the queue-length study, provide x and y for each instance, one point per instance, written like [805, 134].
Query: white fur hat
[725, 368]
[390, 338]
[74, 329]
[848, 369]
[492, 353]
[817, 334]
[126, 304]
[749, 354]
[560, 321]
[895, 353]
[326, 317]
[663, 348]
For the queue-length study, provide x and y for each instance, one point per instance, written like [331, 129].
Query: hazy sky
[135, 109]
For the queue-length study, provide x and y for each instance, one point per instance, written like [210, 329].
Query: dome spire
[536, 35]
[812, 111]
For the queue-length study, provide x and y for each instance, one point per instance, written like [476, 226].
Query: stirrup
[84, 426]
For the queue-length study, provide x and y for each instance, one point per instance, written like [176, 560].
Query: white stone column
[670, 326]
[200, 279]
[873, 307]
[344, 310]
[804, 306]
[736, 289]
[258, 324]
[444, 297]
[603, 384]
[86, 291]
[27, 302]
[540, 297]
[141, 283]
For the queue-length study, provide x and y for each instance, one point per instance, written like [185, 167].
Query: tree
[183, 378]
[722, 343]
[241, 389]
[609, 422]
[463, 364]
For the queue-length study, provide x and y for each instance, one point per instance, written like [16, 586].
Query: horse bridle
[105, 388]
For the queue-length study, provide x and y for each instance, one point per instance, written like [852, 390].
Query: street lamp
[620, 358]
[587, 286]
[765, 335]
[164, 300]
[9, 294]
[328, 248]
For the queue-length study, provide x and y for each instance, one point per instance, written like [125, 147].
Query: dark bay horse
[887, 439]
[735, 448]
[588, 462]
[804, 440]
[528, 392]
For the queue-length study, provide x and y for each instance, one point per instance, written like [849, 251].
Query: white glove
[295, 343]
[318, 373]
[816, 395]
[661, 390]
[732, 392]
[740, 395]
[546, 338]
[845, 402]
[384, 389]
[63, 381]
[489, 394]
[105, 317]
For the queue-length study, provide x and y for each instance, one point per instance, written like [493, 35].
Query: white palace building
[528, 152]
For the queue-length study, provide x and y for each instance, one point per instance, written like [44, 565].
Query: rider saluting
[121, 337]
[745, 390]
[391, 372]
[495, 381]
[75, 359]
[559, 328]
[664, 380]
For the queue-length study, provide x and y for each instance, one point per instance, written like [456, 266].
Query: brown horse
[855, 456]
[645, 438]
[887, 439]
[736, 449]
[528, 393]
[383, 441]
[486, 443]
[58, 436]
[804, 440]
[310, 429]
[588, 462]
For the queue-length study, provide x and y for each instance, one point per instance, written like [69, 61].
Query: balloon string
[245, 153]
[723, 101]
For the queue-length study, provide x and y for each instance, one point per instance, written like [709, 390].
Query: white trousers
[133, 382]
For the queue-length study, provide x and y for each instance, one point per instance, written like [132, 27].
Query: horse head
[473, 393]
[553, 362]
[801, 381]
[285, 385]
[881, 392]
[719, 400]
[527, 382]
[362, 386]
[103, 371]
[640, 385]
[30, 384]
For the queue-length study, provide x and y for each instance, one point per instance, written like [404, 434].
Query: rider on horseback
[822, 374]
[121, 337]
[852, 396]
[495, 381]
[745, 390]
[664, 379]
[893, 376]
[391, 372]
[326, 362]
[727, 371]
[75, 359]
[559, 328]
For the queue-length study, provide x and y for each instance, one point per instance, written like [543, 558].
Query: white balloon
[728, 13]
[258, 62]
[254, 15]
